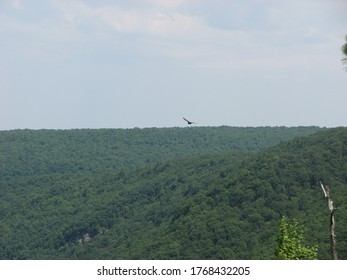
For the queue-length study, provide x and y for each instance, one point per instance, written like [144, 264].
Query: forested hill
[214, 205]
[30, 152]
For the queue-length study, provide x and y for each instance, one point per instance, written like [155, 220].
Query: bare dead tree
[332, 219]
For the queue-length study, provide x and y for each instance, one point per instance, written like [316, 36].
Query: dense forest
[33, 152]
[168, 193]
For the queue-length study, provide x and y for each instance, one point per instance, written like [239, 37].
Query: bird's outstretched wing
[189, 122]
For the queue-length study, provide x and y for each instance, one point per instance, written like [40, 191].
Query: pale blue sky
[123, 64]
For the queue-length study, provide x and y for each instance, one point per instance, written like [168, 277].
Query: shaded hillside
[33, 152]
[215, 206]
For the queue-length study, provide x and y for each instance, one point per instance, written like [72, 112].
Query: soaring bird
[189, 122]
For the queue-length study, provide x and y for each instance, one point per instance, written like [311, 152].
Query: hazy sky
[123, 64]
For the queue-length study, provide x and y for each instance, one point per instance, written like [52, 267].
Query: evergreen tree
[344, 51]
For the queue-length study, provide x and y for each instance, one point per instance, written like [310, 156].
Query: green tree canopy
[289, 245]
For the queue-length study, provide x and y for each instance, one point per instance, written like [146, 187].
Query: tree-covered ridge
[225, 205]
[31, 152]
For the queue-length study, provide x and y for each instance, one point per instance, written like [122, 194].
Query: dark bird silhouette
[189, 122]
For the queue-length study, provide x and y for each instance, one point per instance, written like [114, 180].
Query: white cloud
[166, 3]
[148, 22]
[167, 33]
[17, 4]
[187, 37]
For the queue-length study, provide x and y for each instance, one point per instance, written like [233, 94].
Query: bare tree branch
[332, 219]
[325, 193]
